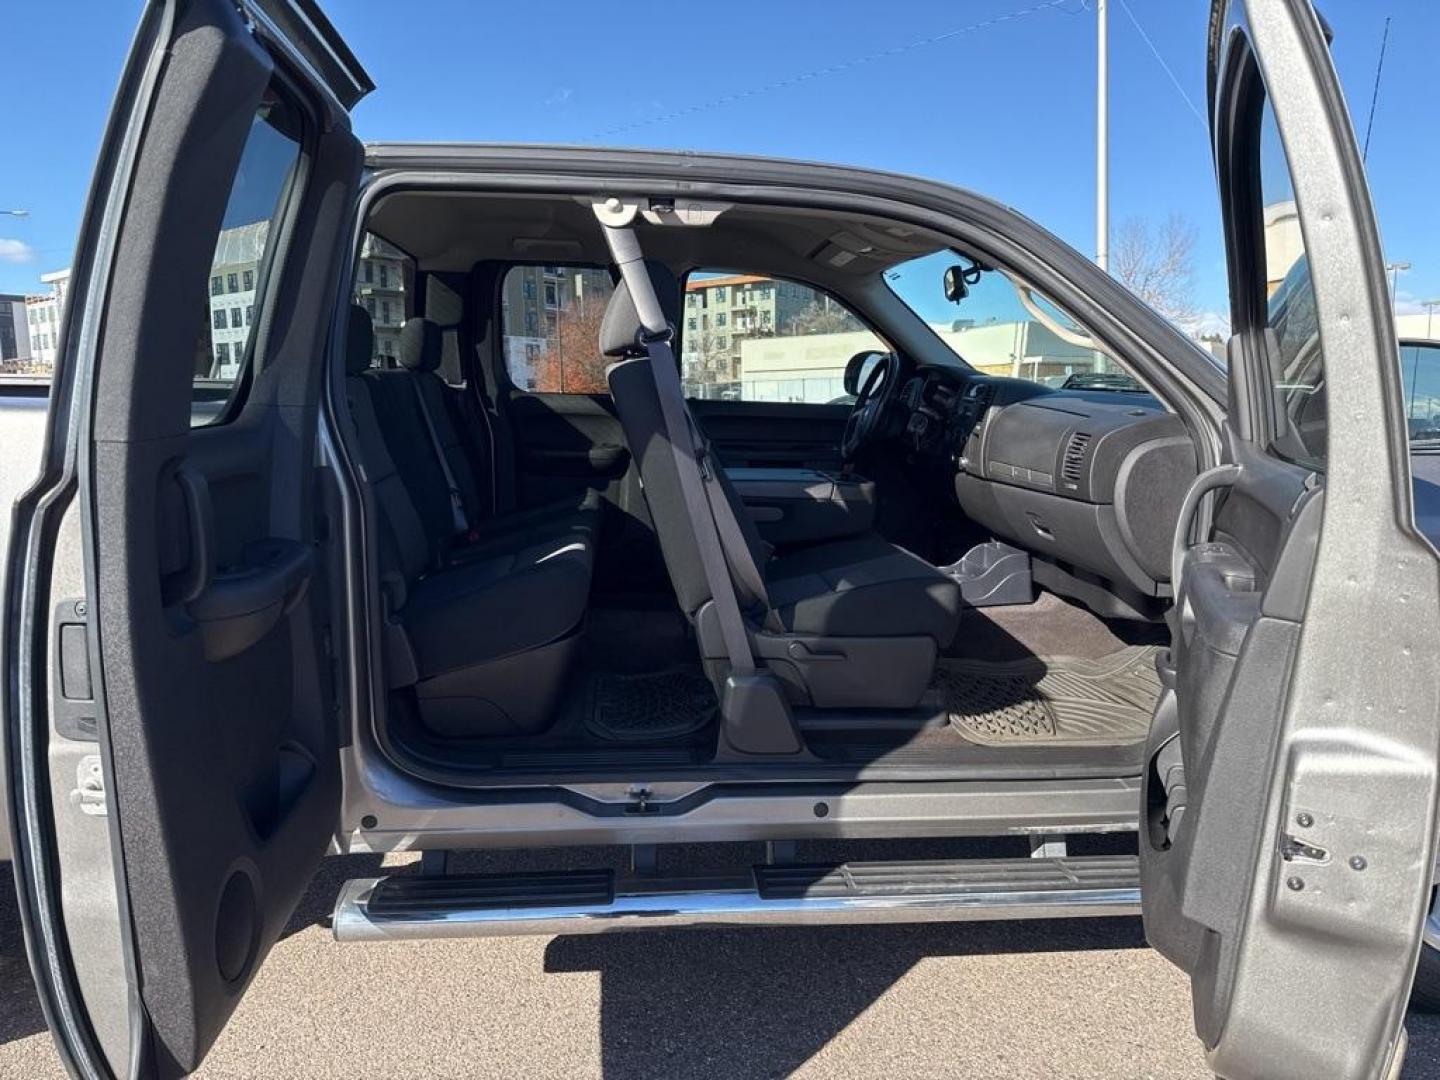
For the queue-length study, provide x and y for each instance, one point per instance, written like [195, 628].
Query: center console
[805, 506]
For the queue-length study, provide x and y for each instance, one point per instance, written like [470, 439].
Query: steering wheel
[871, 418]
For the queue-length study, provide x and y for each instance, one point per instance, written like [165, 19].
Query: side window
[385, 287]
[243, 252]
[1295, 353]
[1420, 376]
[748, 337]
[982, 316]
[550, 328]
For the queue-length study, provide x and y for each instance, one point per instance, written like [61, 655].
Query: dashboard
[1089, 481]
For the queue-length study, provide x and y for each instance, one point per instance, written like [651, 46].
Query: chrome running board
[409, 907]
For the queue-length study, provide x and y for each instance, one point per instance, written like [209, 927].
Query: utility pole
[1430, 306]
[1102, 135]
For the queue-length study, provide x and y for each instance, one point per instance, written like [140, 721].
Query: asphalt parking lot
[1081, 998]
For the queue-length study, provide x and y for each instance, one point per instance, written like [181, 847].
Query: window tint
[385, 287]
[242, 253]
[992, 330]
[748, 337]
[550, 328]
[1296, 360]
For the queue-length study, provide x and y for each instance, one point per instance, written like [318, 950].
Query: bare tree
[819, 317]
[1158, 265]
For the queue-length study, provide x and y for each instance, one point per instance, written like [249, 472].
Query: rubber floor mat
[1056, 701]
[657, 705]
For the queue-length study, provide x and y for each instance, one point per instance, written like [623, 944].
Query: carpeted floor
[1048, 627]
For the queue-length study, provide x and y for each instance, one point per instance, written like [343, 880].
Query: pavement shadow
[762, 1002]
[20, 1014]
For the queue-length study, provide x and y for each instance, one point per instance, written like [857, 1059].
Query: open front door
[186, 652]
[1289, 824]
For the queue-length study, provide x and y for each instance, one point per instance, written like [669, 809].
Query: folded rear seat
[484, 632]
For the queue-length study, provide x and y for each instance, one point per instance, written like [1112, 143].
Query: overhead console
[1090, 482]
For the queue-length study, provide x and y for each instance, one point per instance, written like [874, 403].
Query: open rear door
[1289, 828]
[182, 662]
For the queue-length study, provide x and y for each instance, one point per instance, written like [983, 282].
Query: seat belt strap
[732, 536]
[457, 502]
[626, 251]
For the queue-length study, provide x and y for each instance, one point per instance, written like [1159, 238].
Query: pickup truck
[402, 496]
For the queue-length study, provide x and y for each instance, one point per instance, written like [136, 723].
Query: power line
[1375, 94]
[832, 69]
[1179, 89]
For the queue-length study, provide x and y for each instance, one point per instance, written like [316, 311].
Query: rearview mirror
[955, 287]
[859, 369]
[959, 278]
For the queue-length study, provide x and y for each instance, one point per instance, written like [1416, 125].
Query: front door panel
[773, 435]
[1288, 829]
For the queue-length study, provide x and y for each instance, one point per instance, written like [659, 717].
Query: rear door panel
[215, 709]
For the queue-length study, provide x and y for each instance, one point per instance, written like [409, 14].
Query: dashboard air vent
[1073, 466]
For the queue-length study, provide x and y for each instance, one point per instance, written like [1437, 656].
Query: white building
[232, 296]
[42, 319]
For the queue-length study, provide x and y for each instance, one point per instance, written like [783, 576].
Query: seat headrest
[620, 329]
[359, 341]
[420, 344]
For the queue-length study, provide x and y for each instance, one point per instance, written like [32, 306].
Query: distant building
[723, 312]
[42, 319]
[14, 334]
[380, 285]
[232, 296]
[1284, 246]
[811, 367]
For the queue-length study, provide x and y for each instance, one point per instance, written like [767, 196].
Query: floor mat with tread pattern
[1053, 700]
[656, 705]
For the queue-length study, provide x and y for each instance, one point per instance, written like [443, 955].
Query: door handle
[193, 579]
[1222, 476]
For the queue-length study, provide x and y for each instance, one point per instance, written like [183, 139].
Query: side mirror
[859, 369]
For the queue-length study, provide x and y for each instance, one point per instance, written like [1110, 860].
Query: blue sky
[1006, 108]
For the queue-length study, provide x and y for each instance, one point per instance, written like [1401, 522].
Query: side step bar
[413, 907]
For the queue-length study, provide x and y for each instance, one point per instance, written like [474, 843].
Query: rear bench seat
[481, 620]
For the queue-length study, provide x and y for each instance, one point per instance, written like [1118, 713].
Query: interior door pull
[1222, 476]
[194, 579]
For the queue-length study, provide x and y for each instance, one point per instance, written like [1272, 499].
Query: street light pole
[1430, 306]
[15, 213]
[1394, 270]
[1102, 135]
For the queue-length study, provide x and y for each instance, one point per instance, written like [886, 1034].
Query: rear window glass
[242, 258]
[550, 328]
[1296, 357]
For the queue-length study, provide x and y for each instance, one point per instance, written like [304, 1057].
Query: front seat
[852, 623]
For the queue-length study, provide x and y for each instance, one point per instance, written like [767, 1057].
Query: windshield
[982, 319]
